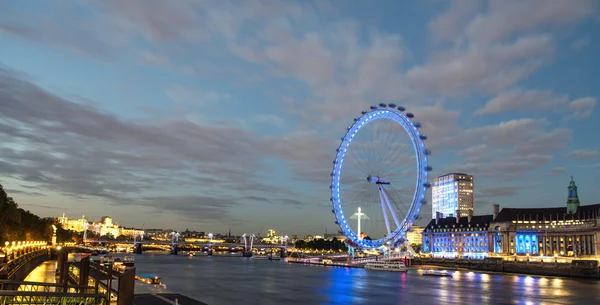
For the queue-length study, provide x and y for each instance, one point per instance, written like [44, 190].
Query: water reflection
[220, 280]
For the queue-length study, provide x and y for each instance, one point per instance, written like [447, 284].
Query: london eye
[379, 177]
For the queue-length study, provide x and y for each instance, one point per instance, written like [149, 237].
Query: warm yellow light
[6, 244]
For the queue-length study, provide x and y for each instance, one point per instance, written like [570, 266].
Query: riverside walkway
[44, 273]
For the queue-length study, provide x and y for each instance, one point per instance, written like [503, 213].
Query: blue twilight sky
[213, 115]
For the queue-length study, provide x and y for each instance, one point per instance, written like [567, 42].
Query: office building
[453, 193]
[414, 235]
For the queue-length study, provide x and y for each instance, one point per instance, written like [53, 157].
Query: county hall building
[571, 231]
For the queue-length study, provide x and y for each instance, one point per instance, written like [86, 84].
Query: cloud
[487, 69]
[558, 170]
[14, 191]
[583, 107]
[500, 191]
[522, 136]
[583, 154]
[493, 49]
[452, 22]
[195, 208]
[81, 152]
[580, 44]
[525, 101]
[535, 100]
[308, 68]
[505, 18]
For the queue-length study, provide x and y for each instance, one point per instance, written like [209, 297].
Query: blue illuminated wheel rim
[398, 115]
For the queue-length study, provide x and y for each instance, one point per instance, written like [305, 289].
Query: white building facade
[453, 193]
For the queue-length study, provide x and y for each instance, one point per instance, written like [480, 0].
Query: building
[570, 231]
[414, 236]
[77, 225]
[453, 193]
[457, 237]
[102, 228]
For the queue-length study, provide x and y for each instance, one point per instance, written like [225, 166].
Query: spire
[573, 199]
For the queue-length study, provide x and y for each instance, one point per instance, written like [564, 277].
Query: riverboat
[128, 261]
[266, 257]
[150, 279]
[438, 273]
[387, 266]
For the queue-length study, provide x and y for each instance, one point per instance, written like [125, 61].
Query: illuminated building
[453, 193]
[77, 225]
[414, 235]
[564, 231]
[103, 228]
[462, 237]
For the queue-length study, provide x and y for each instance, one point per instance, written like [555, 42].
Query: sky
[218, 115]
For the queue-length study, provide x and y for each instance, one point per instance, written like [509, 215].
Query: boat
[150, 279]
[439, 273]
[387, 266]
[129, 261]
[266, 257]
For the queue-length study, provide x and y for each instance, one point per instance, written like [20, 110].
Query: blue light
[422, 169]
[526, 244]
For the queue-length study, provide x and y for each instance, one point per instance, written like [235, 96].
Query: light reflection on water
[235, 280]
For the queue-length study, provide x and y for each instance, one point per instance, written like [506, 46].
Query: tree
[17, 224]
[416, 247]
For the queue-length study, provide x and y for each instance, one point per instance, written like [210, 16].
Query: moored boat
[150, 279]
[266, 257]
[439, 273]
[387, 266]
[129, 261]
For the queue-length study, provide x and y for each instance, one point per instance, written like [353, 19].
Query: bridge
[246, 244]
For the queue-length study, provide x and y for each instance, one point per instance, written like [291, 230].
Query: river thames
[234, 280]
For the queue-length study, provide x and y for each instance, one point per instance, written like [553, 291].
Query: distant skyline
[218, 115]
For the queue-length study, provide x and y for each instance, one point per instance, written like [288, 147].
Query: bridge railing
[49, 298]
[9, 268]
[15, 249]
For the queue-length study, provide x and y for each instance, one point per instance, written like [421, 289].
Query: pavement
[44, 273]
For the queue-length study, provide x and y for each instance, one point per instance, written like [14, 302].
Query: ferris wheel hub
[377, 180]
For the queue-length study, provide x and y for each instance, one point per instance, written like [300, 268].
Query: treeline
[322, 244]
[17, 224]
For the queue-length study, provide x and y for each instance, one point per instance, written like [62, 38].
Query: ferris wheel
[375, 179]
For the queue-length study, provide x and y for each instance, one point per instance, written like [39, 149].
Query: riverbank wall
[576, 268]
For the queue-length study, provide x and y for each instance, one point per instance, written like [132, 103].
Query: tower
[573, 199]
[453, 194]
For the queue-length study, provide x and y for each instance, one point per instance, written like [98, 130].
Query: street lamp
[6, 251]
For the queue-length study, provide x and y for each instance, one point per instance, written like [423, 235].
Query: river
[236, 280]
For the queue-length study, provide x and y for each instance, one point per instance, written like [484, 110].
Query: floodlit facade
[104, 227]
[414, 235]
[570, 231]
[453, 193]
[462, 237]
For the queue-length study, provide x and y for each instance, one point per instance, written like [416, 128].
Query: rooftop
[560, 213]
[476, 221]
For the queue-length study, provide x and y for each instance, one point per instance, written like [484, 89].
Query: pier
[78, 279]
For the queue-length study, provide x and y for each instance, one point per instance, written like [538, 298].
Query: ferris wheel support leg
[385, 216]
[389, 205]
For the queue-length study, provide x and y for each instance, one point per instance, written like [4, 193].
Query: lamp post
[6, 251]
